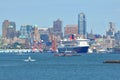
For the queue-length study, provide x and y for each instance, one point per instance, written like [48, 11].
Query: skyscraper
[36, 33]
[8, 29]
[111, 31]
[5, 25]
[13, 24]
[10, 32]
[25, 31]
[81, 24]
[57, 28]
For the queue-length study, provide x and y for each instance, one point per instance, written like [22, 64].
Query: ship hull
[74, 49]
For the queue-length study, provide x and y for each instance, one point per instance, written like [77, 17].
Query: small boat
[76, 54]
[29, 59]
[67, 53]
[62, 54]
[112, 61]
[59, 54]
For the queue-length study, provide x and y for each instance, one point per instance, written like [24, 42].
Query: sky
[43, 12]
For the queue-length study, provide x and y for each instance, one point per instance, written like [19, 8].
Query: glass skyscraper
[81, 24]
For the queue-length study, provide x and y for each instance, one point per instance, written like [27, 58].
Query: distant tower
[81, 24]
[5, 26]
[57, 28]
[91, 31]
[36, 33]
[10, 32]
[111, 31]
[23, 32]
[8, 29]
[13, 24]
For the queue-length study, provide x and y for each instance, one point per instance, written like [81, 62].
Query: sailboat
[29, 59]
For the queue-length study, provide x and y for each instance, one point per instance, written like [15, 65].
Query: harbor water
[49, 67]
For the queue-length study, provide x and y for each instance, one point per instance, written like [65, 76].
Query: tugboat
[67, 53]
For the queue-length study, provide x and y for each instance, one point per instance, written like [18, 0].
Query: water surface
[49, 67]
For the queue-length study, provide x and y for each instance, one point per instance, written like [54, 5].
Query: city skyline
[43, 13]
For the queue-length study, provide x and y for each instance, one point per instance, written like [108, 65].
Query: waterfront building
[109, 42]
[103, 44]
[57, 28]
[70, 29]
[81, 24]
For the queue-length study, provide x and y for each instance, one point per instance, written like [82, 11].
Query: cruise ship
[75, 45]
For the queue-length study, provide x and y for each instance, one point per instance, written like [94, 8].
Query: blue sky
[43, 12]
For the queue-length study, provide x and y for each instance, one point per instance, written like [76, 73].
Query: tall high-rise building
[13, 25]
[10, 32]
[81, 24]
[5, 25]
[57, 28]
[36, 34]
[8, 29]
[111, 31]
[25, 31]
